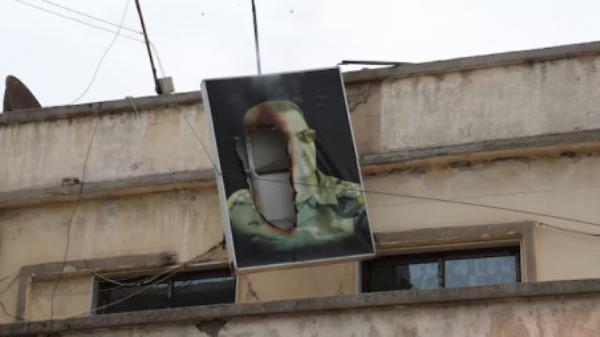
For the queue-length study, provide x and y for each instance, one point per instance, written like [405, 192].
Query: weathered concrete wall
[492, 103]
[297, 283]
[559, 186]
[186, 223]
[412, 112]
[533, 310]
[71, 298]
[554, 185]
[127, 144]
[575, 317]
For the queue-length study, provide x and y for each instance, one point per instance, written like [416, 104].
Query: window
[442, 270]
[180, 290]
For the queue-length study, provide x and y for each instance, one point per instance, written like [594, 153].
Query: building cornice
[400, 71]
[129, 104]
[475, 62]
[523, 147]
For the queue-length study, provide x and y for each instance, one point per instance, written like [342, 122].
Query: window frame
[441, 257]
[416, 241]
[124, 276]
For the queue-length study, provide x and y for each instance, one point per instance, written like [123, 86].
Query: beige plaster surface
[307, 282]
[516, 318]
[71, 298]
[183, 222]
[127, 144]
[188, 223]
[416, 112]
[491, 103]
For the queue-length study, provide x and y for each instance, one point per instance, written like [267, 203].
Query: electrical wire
[90, 16]
[72, 216]
[91, 25]
[168, 273]
[4, 291]
[450, 201]
[154, 49]
[7, 313]
[176, 269]
[76, 20]
[118, 33]
[112, 43]
[412, 196]
[14, 275]
[157, 278]
[568, 230]
[204, 148]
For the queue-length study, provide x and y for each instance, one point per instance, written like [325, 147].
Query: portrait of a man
[290, 177]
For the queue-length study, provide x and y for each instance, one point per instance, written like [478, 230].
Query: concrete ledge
[404, 70]
[224, 312]
[448, 236]
[556, 142]
[106, 189]
[370, 164]
[464, 237]
[98, 108]
[474, 62]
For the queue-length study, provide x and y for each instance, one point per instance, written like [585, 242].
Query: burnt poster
[287, 169]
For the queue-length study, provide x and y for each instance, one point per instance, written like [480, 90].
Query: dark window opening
[180, 290]
[442, 270]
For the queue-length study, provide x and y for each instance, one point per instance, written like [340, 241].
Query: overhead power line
[91, 16]
[110, 45]
[95, 26]
[417, 197]
[76, 20]
[452, 201]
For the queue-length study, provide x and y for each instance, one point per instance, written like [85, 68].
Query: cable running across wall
[158, 277]
[450, 201]
[72, 216]
[419, 197]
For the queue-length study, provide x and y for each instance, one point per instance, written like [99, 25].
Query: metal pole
[256, 45]
[156, 83]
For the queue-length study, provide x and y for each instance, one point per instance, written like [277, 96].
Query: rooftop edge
[400, 71]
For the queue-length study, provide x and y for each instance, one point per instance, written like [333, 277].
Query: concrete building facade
[474, 153]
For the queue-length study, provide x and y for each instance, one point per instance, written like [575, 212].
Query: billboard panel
[288, 174]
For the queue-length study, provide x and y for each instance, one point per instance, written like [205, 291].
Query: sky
[57, 58]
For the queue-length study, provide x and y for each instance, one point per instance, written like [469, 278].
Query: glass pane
[131, 298]
[423, 275]
[392, 276]
[480, 271]
[198, 289]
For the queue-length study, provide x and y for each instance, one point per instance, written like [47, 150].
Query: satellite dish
[17, 96]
